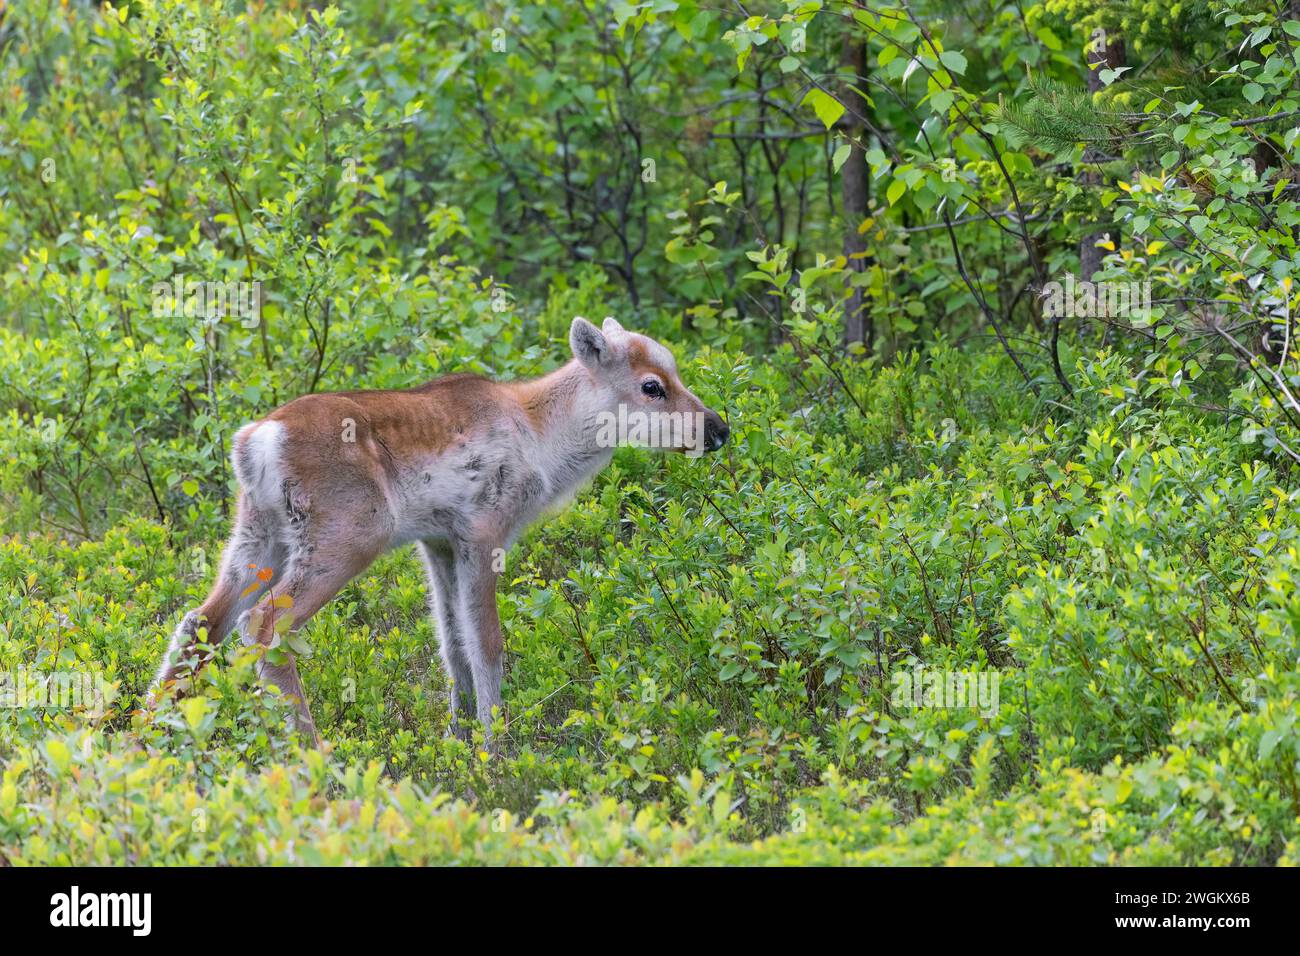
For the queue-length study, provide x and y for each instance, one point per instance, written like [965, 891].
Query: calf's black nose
[716, 434]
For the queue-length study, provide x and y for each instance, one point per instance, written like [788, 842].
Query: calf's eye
[653, 389]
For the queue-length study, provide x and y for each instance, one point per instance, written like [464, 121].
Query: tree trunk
[855, 185]
[1107, 51]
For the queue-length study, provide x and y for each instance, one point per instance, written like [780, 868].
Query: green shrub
[722, 660]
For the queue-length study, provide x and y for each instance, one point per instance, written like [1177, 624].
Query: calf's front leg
[441, 564]
[480, 627]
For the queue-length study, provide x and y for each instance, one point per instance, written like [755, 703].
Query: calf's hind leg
[253, 546]
[325, 561]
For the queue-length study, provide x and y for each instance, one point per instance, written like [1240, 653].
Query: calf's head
[649, 405]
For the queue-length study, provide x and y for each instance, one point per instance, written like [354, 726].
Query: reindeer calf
[459, 466]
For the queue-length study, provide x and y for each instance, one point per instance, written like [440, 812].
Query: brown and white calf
[459, 466]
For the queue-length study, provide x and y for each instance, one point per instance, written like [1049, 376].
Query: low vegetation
[969, 585]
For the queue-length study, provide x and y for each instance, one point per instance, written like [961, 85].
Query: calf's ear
[590, 347]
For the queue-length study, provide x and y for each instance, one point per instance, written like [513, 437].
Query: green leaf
[1253, 92]
[895, 191]
[1268, 742]
[1109, 76]
[942, 101]
[1049, 39]
[195, 709]
[840, 156]
[953, 61]
[827, 107]
[59, 755]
